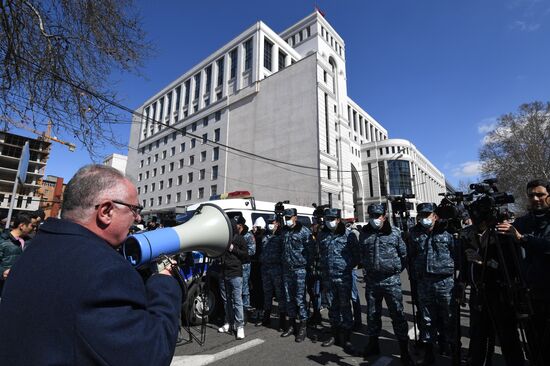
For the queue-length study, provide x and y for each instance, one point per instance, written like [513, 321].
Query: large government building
[269, 113]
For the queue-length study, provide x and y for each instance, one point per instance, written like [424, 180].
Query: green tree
[57, 60]
[518, 149]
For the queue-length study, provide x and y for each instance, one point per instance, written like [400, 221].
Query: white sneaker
[224, 329]
[240, 333]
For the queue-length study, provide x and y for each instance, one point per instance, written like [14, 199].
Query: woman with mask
[383, 254]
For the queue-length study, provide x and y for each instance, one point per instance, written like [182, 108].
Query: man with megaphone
[72, 299]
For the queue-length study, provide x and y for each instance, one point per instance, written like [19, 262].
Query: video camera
[319, 212]
[488, 203]
[451, 210]
[280, 210]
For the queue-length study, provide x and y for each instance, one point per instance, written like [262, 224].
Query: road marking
[383, 361]
[411, 332]
[201, 360]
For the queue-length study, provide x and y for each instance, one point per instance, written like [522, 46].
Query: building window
[168, 198]
[208, 72]
[152, 187]
[162, 169]
[215, 153]
[204, 138]
[191, 160]
[182, 147]
[169, 183]
[190, 177]
[145, 188]
[203, 156]
[141, 164]
[214, 172]
[178, 197]
[202, 173]
[219, 64]
[156, 158]
[193, 143]
[164, 154]
[268, 50]
[151, 202]
[181, 163]
[282, 60]
[328, 172]
[194, 127]
[139, 190]
[188, 195]
[308, 32]
[233, 61]
[171, 167]
[247, 54]
[197, 86]
[161, 185]
[213, 190]
[187, 87]
[218, 116]
[180, 180]
[172, 151]
[139, 177]
[205, 122]
[177, 96]
[159, 200]
[217, 135]
[154, 172]
[147, 175]
[201, 193]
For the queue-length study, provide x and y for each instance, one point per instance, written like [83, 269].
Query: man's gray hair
[90, 184]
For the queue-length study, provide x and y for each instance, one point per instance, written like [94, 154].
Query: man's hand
[508, 229]
[473, 256]
[231, 247]
[5, 273]
[166, 265]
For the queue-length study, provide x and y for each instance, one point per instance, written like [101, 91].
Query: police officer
[383, 254]
[339, 253]
[272, 272]
[432, 252]
[297, 247]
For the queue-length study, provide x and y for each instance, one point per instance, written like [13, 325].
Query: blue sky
[435, 72]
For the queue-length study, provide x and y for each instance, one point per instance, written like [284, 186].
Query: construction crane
[46, 136]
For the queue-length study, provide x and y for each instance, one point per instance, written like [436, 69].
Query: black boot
[345, 341]
[406, 359]
[283, 322]
[266, 320]
[372, 348]
[291, 329]
[301, 331]
[444, 349]
[315, 319]
[333, 337]
[428, 358]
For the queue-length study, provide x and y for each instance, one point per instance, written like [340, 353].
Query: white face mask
[426, 222]
[331, 224]
[271, 227]
[289, 223]
[376, 223]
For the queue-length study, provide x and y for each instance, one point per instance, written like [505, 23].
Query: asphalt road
[263, 346]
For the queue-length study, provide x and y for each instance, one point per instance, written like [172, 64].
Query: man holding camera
[339, 253]
[72, 299]
[532, 232]
[432, 256]
[384, 255]
[297, 247]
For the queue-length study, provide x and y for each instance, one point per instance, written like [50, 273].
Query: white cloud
[487, 125]
[524, 26]
[467, 169]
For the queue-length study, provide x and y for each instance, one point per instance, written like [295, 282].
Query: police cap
[375, 209]
[239, 220]
[290, 212]
[426, 207]
[271, 218]
[335, 213]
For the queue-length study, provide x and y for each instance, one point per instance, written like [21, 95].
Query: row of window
[179, 180]
[166, 200]
[331, 40]
[299, 36]
[182, 147]
[363, 127]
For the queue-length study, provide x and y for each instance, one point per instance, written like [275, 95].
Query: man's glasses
[136, 209]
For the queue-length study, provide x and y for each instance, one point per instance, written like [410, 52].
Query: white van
[247, 207]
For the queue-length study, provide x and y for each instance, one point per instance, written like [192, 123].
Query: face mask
[271, 227]
[331, 224]
[427, 223]
[289, 223]
[376, 223]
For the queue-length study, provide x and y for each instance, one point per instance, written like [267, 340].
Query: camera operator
[72, 299]
[432, 252]
[532, 232]
[492, 273]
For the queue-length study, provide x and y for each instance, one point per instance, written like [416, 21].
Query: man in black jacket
[231, 285]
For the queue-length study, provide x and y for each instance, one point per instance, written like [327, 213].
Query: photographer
[532, 232]
[72, 299]
[432, 252]
[491, 263]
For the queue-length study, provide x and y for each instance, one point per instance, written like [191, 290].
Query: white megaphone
[209, 231]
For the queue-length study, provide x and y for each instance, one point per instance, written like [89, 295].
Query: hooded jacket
[339, 252]
[297, 247]
[432, 252]
[383, 251]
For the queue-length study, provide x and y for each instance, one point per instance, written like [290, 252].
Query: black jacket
[232, 262]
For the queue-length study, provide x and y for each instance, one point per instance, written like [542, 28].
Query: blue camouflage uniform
[297, 247]
[272, 270]
[383, 254]
[251, 247]
[432, 257]
[339, 253]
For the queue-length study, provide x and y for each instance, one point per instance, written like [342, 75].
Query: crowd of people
[74, 299]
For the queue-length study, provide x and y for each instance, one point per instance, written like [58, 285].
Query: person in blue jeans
[231, 282]
[243, 231]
